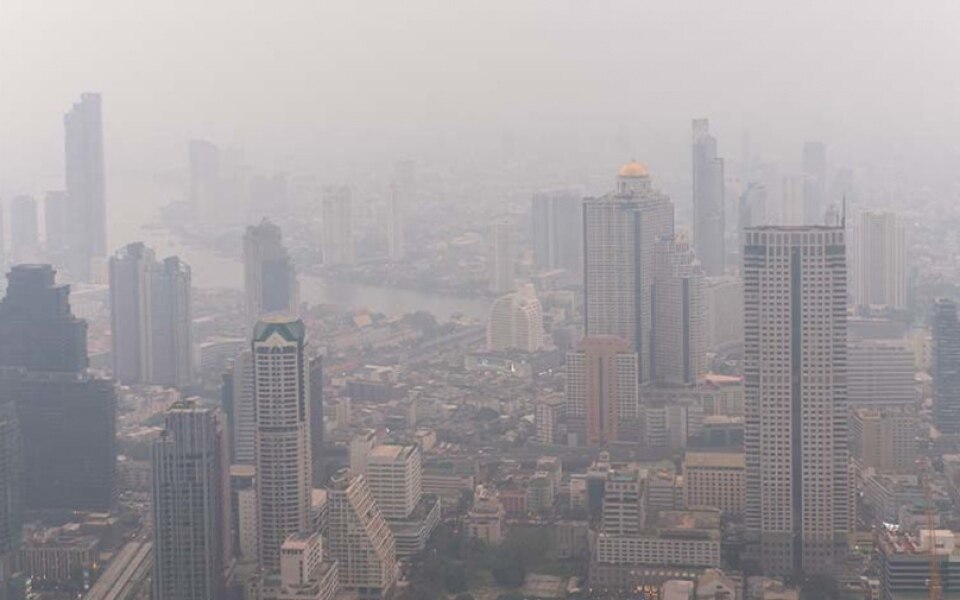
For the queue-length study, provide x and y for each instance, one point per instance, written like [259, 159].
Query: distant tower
[172, 322]
[601, 390]
[503, 246]
[191, 505]
[269, 279]
[557, 221]
[24, 235]
[814, 165]
[880, 260]
[395, 241]
[360, 539]
[516, 322]
[708, 205]
[205, 181]
[316, 423]
[679, 315]
[56, 219]
[337, 219]
[11, 489]
[795, 409]
[620, 234]
[85, 184]
[946, 367]
[282, 392]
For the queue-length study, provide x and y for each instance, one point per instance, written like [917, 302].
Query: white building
[395, 476]
[881, 267]
[881, 373]
[243, 426]
[304, 575]
[547, 412]
[516, 322]
[679, 353]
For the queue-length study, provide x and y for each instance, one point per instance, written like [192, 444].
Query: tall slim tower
[337, 218]
[191, 505]
[557, 221]
[172, 323]
[395, 209]
[86, 187]
[620, 236]
[795, 368]
[503, 247]
[282, 392]
[946, 366]
[243, 434]
[11, 490]
[269, 280]
[881, 266]
[601, 390]
[679, 315]
[814, 166]
[708, 208]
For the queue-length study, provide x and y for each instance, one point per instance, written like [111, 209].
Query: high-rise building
[623, 510]
[814, 166]
[714, 479]
[795, 367]
[881, 267]
[708, 205]
[516, 322]
[395, 238]
[679, 315]
[150, 318]
[884, 438]
[620, 235]
[205, 182]
[881, 373]
[86, 188]
[360, 539]
[191, 505]
[317, 477]
[282, 394]
[723, 297]
[557, 221]
[304, 575]
[337, 217]
[503, 248]
[56, 219]
[946, 366]
[601, 390]
[269, 279]
[11, 487]
[24, 232]
[242, 411]
[547, 413]
[394, 474]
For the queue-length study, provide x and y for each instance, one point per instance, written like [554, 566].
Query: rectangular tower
[86, 190]
[881, 279]
[708, 205]
[946, 366]
[337, 217]
[602, 391]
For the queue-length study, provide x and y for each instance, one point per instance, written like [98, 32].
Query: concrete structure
[243, 410]
[360, 539]
[881, 262]
[503, 250]
[547, 413]
[708, 205]
[795, 359]
[557, 221]
[86, 190]
[620, 234]
[723, 298]
[601, 390]
[885, 438]
[678, 341]
[905, 564]
[715, 479]
[269, 279]
[684, 538]
[623, 503]
[11, 488]
[394, 474]
[486, 517]
[24, 230]
[191, 505]
[336, 216]
[516, 322]
[814, 182]
[880, 373]
[282, 394]
[946, 367]
[304, 575]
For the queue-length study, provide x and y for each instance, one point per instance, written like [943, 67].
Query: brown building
[601, 390]
[715, 479]
[884, 438]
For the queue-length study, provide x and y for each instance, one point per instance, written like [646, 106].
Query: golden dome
[633, 169]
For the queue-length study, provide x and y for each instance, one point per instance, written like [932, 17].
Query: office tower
[243, 511]
[557, 220]
[394, 474]
[881, 267]
[714, 479]
[336, 214]
[623, 511]
[547, 413]
[191, 505]
[752, 208]
[814, 166]
[359, 538]
[317, 479]
[57, 401]
[881, 373]
[795, 367]
[708, 205]
[679, 317]
[791, 197]
[269, 280]
[37, 330]
[150, 318]
[620, 234]
[11, 486]
[723, 297]
[884, 438]
[242, 409]
[282, 394]
[85, 183]
[24, 233]
[205, 182]
[304, 575]
[946, 367]
[516, 322]
[395, 240]
[56, 219]
[602, 391]
[503, 249]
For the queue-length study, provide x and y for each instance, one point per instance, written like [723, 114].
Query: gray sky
[297, 82]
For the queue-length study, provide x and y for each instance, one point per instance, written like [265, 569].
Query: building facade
[86, 189]
[557, 222]
[708, 205]
[337, 217]
[602, 391]
[503, 249]
[516, 322]
[881, 264]
[269, 279]
[678, 343]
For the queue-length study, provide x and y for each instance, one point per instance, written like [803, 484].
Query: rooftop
[728, 460]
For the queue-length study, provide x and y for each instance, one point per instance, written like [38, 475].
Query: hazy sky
[296, 82]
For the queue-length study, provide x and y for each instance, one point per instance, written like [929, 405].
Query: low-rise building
[715, 479]
[485, 519]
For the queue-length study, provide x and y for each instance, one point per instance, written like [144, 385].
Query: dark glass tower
[946, 366]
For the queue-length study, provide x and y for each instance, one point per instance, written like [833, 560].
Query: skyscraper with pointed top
[708, 203]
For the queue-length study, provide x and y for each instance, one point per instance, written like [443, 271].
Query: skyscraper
[557, 221]
[150, 318]
[360, 539]
[500, 262]
[679, 315]
[205, 182]
[516, 322]
[394, 474]
[814, 166]
[243, 410]
[269, 279]
[395, 238]
[282, 393]
[708, 206]
[317, 478]
[337, 219]
[620, 235]
[946, 366]
[795, 366]
[11, 488]
[56, 219]
[191, 505]
[24, 232]
[85, 179]
[601, 391]
[881, 279]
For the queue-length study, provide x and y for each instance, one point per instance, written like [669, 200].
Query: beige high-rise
[881, 268]
[395, 476]
[602, 390]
